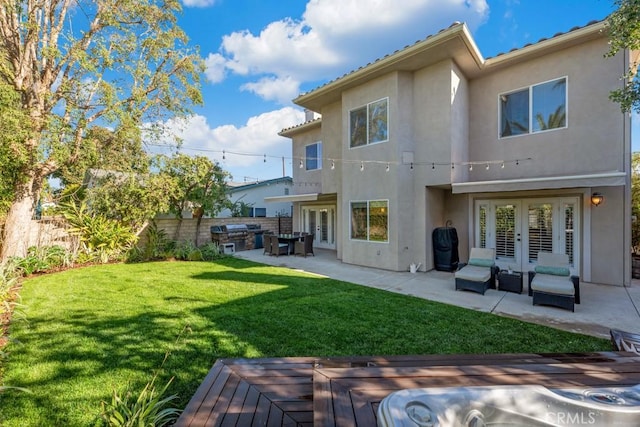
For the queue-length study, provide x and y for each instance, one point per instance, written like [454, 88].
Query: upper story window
[369, 124]
[534, 109]
[313, 156]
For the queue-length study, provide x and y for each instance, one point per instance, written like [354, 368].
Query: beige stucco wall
[585, 146]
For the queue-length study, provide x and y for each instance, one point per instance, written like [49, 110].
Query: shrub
[183, 249]
[158, 244]
[148, 409]
[211, 252]
[102, 239]
[41, 259]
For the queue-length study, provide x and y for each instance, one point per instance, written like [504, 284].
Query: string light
[411, 166]
[470, 164]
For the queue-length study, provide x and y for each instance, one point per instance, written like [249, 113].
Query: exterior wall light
[597, 199]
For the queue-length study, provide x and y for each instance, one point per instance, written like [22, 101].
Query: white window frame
[318, 157]
[368, 142]
[531, 118]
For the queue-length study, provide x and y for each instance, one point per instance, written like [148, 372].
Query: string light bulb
[471, 166]
[333, 165]
[265, 159]
[361, 166]
[487, 167]
[411, 166]
[502, 165]
[223, 156]
[301, 165]
[387, 168]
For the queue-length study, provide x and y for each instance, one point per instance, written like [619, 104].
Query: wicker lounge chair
[479, 274]
[551, 283]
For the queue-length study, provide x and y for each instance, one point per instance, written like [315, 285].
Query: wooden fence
[50, 231]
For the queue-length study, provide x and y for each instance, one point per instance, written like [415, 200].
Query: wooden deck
[347, 391]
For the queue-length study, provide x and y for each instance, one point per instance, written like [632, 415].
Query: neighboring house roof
[244, 187]
[91, 176]
[455, 43]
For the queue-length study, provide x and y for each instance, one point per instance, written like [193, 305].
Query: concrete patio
[603, 307]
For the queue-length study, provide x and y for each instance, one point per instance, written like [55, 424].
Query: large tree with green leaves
[119, 64]
[624, 33]
[200, 187]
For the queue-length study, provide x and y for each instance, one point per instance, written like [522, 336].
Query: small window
[260, 212]
[286, 191]
[369, 124]
[313, 156]
[370, 220]
[534, 109]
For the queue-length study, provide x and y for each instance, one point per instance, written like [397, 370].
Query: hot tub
[511, 406]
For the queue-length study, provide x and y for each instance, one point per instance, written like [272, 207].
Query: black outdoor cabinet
[445, 248]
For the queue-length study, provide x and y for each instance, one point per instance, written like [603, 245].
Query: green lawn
[94, 329]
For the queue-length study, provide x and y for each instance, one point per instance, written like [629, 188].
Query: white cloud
[335, 36]
[277, 89]
[244, 146]
[215, 67]
[198, 3]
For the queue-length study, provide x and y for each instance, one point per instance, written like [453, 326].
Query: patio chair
[625, 341]
[278, 248]
[266, 241]
[304, 247]
[551, 283]
[479, 274]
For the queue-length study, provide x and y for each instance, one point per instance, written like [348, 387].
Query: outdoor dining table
[290, 239]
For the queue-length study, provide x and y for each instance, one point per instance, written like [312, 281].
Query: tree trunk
[176, 234]
[15, 235]
[198, 221]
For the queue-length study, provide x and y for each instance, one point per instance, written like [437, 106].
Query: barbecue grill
[231, 233]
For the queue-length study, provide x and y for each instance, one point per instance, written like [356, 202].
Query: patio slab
[602, 307]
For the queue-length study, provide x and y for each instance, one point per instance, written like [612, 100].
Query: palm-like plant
[557, 119]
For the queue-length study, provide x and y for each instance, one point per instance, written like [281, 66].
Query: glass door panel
[320, 221]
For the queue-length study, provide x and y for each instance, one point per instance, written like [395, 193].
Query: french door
[320, 221]
[520, 228]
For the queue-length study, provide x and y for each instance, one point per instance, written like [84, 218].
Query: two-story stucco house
[509, 149]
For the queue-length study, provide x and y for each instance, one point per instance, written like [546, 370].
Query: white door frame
[322, 218]
[563, 223]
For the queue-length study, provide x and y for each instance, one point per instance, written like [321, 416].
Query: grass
[96, 329]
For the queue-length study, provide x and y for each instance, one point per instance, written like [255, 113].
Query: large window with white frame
[370, 220]
[369, 124]
[313, 156]
[533, 109]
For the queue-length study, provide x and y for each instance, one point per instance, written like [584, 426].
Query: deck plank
[347, 391]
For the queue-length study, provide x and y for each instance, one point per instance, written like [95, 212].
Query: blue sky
[260, 54]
